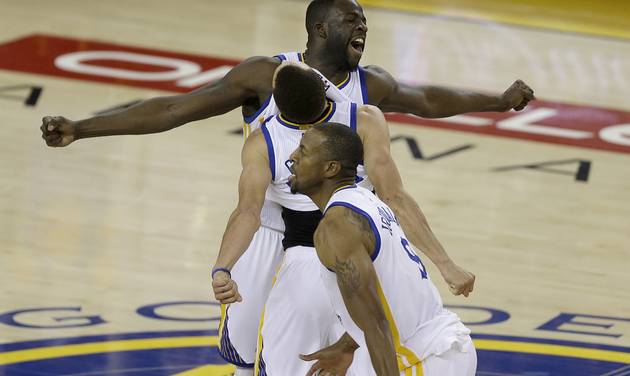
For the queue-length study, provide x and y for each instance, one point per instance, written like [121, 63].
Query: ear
[322, 30]
[332, 168]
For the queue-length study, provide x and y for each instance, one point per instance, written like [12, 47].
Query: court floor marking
[58, 351]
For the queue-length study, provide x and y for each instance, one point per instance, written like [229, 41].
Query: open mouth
[358, 44]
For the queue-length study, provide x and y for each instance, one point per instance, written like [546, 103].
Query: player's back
[411, 302]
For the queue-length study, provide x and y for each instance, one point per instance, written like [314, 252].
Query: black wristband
[215, 270]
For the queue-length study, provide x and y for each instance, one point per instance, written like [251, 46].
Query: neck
[327, 189]
[317, 57]
[320, 117]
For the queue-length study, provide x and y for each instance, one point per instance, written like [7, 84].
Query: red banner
[542, 121]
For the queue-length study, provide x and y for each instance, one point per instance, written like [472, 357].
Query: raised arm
[249, 80]
[245, 219]
[383, 173]
[344, 241]
[437, 101]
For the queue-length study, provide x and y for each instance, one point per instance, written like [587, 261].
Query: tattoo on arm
[348, 275]
[361, 222]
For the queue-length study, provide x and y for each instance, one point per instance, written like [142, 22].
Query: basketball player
[377, 284]
[336, 39]
[298, 317]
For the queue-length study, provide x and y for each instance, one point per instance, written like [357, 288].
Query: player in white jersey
[238, 327]
[297, 303]
[376, 282]
[337, 34]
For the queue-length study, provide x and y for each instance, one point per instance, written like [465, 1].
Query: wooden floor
[109, 225]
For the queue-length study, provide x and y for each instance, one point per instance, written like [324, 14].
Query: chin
[353, 58]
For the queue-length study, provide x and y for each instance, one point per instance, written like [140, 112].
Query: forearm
[380, 345]
[239, 232]
[443, 102]
[150, 116]
[416, 227]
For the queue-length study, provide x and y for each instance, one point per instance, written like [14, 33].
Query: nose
[362, 27]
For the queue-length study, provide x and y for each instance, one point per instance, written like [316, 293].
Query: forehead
[311, 140]
[343, 7]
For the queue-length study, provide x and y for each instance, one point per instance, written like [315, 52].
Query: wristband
[216, 270]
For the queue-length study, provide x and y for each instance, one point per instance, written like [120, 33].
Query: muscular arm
[436, 101]
[249, 80]
[344, 242]
[384, 174]
[245, 219]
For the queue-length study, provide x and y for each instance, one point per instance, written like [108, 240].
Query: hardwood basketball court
[106, 245]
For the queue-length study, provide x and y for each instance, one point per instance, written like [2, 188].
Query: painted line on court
[51, 352]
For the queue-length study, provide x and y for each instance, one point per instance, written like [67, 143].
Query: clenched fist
[58, 131]
[517, 96]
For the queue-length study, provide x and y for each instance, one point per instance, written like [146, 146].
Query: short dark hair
[342, 144]
[317, 11]
[299, 93]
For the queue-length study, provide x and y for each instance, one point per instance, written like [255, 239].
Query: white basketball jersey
[283, 137]
[352, 89]
[411, 302]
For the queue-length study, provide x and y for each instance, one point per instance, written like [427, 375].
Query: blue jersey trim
[249, 119]
[377, 235]
[270, 153]
[364, 91]
[281, 57]
[353, 116]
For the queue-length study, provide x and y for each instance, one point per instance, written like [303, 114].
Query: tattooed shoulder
[361, 222]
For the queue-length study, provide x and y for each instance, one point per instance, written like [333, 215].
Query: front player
[377, 284]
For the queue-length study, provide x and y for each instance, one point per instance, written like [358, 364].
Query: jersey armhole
[270, 152]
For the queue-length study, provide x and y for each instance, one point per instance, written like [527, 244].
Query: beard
[293, 184]
[338, 52]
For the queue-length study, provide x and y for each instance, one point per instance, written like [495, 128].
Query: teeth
[360, 40]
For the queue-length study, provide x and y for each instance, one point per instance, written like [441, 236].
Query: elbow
[394, 198]
[249, 213]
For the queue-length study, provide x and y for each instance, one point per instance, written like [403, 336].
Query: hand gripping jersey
[419, 324]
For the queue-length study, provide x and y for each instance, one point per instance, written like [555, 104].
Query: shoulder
[333, 225]
[342, 230]
[255, 146]
[370, 119]
[341, 224]
[380, 83]
[261, 62]
[369, 111]
[375, 74]
[254, 69]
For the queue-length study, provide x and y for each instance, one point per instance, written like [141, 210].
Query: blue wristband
[215, 270]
